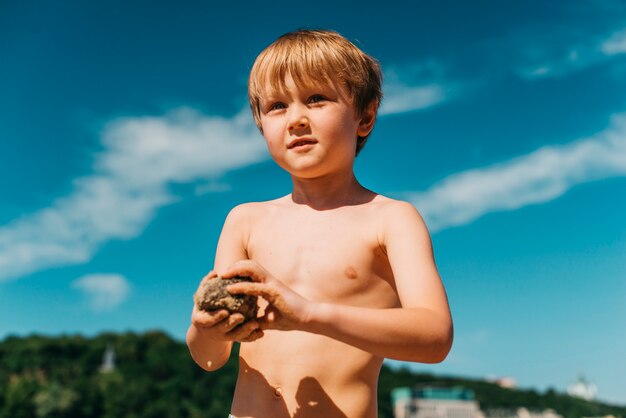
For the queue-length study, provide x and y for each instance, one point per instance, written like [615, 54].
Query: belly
[305, 375]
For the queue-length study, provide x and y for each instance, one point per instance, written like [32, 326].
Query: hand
[221, 325]
[287, 310]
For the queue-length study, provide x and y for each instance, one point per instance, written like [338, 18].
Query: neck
[329, 192]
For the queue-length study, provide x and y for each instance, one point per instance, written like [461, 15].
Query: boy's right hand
[221, 325]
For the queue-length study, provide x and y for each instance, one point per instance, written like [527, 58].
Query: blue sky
[125, 139]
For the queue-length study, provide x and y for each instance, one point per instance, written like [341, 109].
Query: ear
[368, 117]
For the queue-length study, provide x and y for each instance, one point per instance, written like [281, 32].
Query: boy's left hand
[287, 310]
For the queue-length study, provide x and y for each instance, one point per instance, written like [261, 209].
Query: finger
[254, 335]
[209, 316]
[243, 330]
[211, 274]
[203, 321]
[268, 320]
[254, 289]
[232, 322]
[208, 319]
[246, 268]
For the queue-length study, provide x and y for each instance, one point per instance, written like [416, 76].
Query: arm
[421, 330]
[211, 334]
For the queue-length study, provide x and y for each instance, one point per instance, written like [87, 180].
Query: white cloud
[564, 56]
[535, 178]
[212, 186]
[141, 157]
[615, 44]
[556, 62]
[400, 98]
[414, 87]
[104, 292]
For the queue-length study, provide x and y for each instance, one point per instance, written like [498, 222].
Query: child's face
[311, 131]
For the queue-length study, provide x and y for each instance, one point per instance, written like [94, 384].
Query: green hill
[59, 377]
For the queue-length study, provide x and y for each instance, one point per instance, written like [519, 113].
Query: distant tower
[108, 360]
[583, 389]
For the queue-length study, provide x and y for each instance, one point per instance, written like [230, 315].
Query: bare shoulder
[234, 241]
[386, 203]
[396, 211]
[243, 211]
[253, 210]
[399, 219]
[244, 216]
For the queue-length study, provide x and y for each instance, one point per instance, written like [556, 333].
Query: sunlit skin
[347, 276]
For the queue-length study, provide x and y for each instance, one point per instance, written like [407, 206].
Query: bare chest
[325, 257]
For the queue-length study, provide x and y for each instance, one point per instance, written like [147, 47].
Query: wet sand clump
[212, 295]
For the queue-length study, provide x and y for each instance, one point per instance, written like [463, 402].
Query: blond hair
[316, 57]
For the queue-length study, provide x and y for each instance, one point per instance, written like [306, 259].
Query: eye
[316, 98]
[276, 106]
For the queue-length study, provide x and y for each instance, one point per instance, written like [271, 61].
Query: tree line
[154, 377]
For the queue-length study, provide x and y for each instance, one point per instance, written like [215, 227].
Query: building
[108, 360]
[521, 413]
[506, 382]
[583, 389]
[434, 402]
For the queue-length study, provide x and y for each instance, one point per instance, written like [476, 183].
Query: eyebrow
[264, 100]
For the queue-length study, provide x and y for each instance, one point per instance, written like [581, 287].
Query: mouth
[300, 142]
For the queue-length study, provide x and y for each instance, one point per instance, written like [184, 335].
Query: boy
[346, 276]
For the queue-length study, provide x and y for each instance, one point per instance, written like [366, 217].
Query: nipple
[278, 392]
[351, 273]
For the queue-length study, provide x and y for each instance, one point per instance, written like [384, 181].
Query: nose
[301, 123]
[299, 120]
